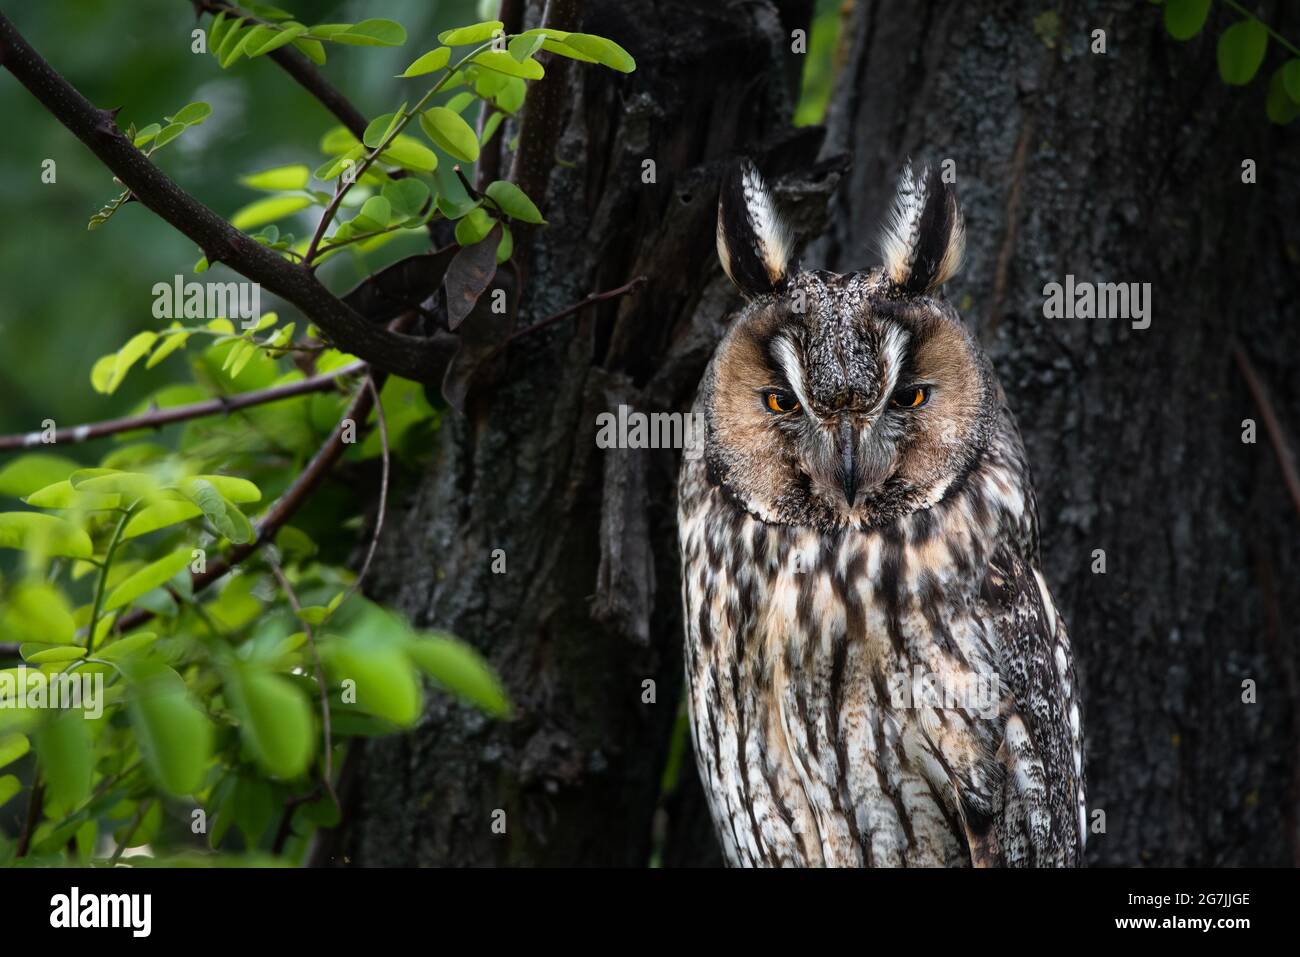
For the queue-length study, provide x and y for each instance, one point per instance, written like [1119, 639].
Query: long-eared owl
[877, 673]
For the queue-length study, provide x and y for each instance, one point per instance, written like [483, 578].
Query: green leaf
[63, 495]
[138, 346]
[146, 579]
[1291, 79]
[458, 102]
[134, 486]
[225, 517]
[1279, 106]
[228, 51]
[9, 786]
[435, 59]
[1241, 51]
[450, 133]
[1184, 18]
[274, 719]
[167, 345]
[474, 227]
[286, 34]
[12, 747]
[523, 47]
[63, 749]
[28, 473]
[476, 33]
[43, 533]
[603, 51]
[191, 114]
[507, 244]
[385, 680]
[374, 214]
[313, 50]
[126, 647]
[505, 63]
[406, 197]
[375, 32]
[511, 95]
[145, 135]
[268, 210]
[217, 32]
[239, 358]
[379, 128]
[559, 49]
[234, 489]
[174, 737]
[332, 168]
[37, 611]
[461, 670]
[410, 154]
[514, 202]
[59, 654]
[279, 178]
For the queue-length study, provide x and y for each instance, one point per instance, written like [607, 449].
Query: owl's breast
[835, 688]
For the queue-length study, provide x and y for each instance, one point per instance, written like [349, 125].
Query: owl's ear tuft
[753, 243]
[924, 237]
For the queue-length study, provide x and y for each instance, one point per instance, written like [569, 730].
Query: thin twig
[135, 826]
[566, 312]
[383, 490]
[34, 804]
[1272, 426]
[181, 413]
[328, 755]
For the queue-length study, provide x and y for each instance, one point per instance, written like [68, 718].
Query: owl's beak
[848, 466]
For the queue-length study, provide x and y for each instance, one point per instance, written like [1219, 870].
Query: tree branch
[568, 311]
[511, 15]
[180, 413]
[420, 359]
[539, 131]
[1276, 437]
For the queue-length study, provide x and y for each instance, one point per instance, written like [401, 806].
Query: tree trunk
[1122, 167]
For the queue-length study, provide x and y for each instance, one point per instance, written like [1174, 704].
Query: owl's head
[844, 400]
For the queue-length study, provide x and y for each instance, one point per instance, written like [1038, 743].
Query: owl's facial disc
[839, 404]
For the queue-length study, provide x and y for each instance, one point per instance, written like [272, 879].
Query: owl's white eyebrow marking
[787, 357]
[893, 347]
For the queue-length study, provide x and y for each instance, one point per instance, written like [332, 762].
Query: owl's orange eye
[781, 402]
[912, 397]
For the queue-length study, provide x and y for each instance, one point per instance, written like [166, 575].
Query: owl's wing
[1037, 819]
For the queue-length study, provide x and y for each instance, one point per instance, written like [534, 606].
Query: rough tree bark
[1121, 167]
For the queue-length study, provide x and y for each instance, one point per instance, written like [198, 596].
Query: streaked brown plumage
[859, 540]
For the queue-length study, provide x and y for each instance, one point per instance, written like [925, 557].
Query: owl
[877, 672]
